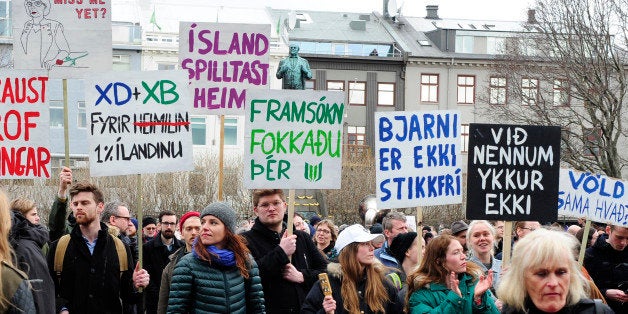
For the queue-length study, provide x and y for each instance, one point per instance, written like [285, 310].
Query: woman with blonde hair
[447, 283]
[481, 244]
[325, 238]
[15, 293]
[544, 277]
[358, 283]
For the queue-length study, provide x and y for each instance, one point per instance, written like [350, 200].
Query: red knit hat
[185, 217]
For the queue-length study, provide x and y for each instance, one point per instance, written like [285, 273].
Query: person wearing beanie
[358, 283]
[459, 230]
[220, 275]
[190, 228]
[289, 263]
[149, 228]
[405, 249]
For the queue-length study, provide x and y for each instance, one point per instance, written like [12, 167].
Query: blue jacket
[383, 256]
[200, 287]
[437, 298]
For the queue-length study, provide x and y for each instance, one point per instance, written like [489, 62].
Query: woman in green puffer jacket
[220, 275]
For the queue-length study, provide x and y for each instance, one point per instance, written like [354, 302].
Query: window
[339, 49]
[561, 93]
[466, 89]
[56, 113]
[310, 84]
[81, 121]
[231, 131]
[464, 138]
[336, 85]
[357, 93]
[356, 135]
[529, 92]
[497, 91]
[495, 45]
[165, 66]
[5, 18]
[199, 134]
[385, 94]
[429, 88]
[464, 44]
[121, 63]
[592, 141]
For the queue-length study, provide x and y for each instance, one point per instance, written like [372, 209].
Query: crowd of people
[208, 261]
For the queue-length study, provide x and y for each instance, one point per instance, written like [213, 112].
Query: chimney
[432, 12]
[532, 16]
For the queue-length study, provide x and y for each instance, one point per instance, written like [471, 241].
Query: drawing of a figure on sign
[45, 38]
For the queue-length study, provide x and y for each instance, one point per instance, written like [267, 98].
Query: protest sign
[25, 125]
[594, 196]
[513, 172]
[222, 61]
[70, 38]
[417, 158]
[138, 123]
[293, 139]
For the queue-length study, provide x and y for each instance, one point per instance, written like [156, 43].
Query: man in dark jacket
[90, 280]
[156, 253]
[607, 263]
[289, 264]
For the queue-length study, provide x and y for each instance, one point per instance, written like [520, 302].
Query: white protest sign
[417, 156]
[597, 197]
[68, 38]
[222, 61]
[24, 125]
[139, 122]
[293, 139]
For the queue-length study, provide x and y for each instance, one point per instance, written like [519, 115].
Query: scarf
[221, 257]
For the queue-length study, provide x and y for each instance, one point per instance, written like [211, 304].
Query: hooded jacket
[27, 241]
[283, 296]
[608, 268]
[314, 300]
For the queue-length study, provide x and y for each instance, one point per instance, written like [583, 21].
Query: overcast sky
[507, 10]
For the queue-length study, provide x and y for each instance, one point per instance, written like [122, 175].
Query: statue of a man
[294, 70]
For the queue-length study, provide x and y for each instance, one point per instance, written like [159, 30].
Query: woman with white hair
[358, 283]
[481, 244]
[545, 278]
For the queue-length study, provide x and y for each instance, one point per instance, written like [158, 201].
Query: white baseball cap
[355, 233]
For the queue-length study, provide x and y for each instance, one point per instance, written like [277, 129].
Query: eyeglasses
[123, 217]
[528, 228]
[35, 3]
[168, 224]
[325, 231]
[274, 204]
[150, 228]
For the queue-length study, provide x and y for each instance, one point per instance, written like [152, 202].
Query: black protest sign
[513, 172]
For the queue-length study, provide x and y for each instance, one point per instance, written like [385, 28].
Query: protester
[481, 243]
[544, 277]
[117, 217]
[522, 229]
[15, 292]
[447, 283]
[459, 230]
[149, 229]
[156, 253]
[499, 225]
[220, 276]
[358, 283]
[289, 264]
[405, 249]
[27, 239]
[189, 227]
[325, 238]
[92, 279]
[300, 224]
[394, 223]
[607, 263]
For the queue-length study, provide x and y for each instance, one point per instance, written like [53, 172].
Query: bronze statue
[294, 70]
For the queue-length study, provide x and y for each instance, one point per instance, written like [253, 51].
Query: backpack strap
[62, 245]
[122, 257]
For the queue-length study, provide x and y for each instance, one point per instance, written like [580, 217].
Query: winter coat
[384, 256]
[496, 268]
[283, 296]
[200, 287]
[92, 283]
[58, 219]
[155, 259]
[166, 279]
[608, 268]
[584, 306]
[437, 298]
[314, 300]
[27, 241]
[15, 289]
